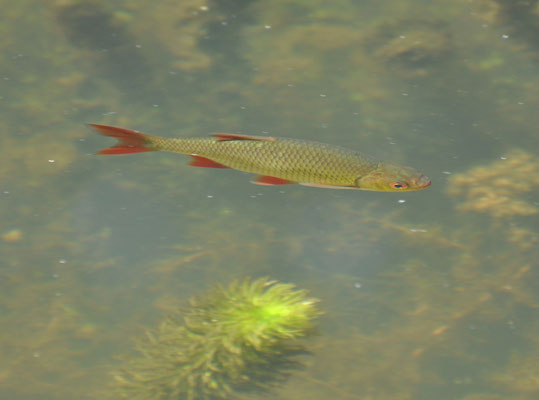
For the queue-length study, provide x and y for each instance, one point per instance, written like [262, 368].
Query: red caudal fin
[129, 141]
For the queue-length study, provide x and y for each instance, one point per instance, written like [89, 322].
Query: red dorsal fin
[199, 161]
[129, 141]
[225, 137]
[270, 181]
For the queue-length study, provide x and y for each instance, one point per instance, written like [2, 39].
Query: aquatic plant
[499, 188]
[228, 337]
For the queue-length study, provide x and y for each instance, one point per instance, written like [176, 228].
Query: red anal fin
[225, 137]
[199, 161]
[129, 141]
[270, 181]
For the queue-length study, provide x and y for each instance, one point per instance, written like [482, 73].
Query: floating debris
[12, 236]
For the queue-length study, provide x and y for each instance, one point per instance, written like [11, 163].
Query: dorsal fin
[225, 137]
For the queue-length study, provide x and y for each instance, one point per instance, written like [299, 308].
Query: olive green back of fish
[291, 159]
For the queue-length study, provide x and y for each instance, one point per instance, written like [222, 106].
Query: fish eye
[398, 185]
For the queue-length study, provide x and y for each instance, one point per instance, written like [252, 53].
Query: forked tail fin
[129, 141]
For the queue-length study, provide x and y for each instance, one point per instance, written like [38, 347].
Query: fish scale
[291, 159]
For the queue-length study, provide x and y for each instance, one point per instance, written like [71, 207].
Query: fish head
[389, 177]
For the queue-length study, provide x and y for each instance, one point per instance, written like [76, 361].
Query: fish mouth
[423, 182]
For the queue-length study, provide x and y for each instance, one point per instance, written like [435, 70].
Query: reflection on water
[429, 294]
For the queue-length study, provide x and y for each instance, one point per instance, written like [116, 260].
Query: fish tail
[129, 141]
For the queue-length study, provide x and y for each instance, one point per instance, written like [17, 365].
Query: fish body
[277, 160]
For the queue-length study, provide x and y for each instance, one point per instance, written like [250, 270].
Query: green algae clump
[229, 337]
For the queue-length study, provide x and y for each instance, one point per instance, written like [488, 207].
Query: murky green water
[427, 295]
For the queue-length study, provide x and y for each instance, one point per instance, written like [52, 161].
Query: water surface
[429, 294]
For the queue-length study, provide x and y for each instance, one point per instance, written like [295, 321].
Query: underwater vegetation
[411, 47]
[497, 188]
[228, 337]
[520, 17]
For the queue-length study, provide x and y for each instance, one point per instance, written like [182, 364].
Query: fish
[276, 160]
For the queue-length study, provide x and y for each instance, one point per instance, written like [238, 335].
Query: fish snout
[422, 182]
